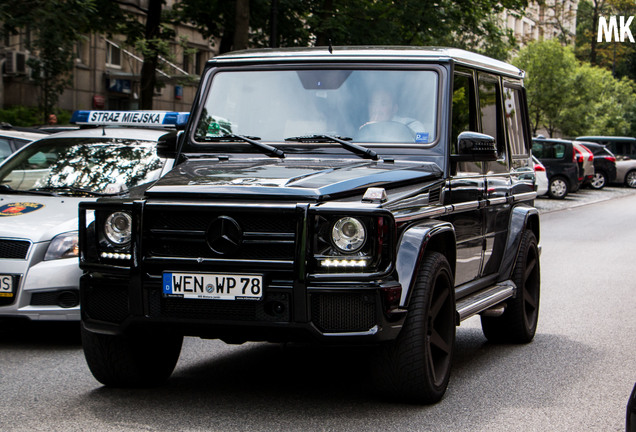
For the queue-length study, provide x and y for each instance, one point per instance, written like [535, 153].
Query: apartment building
[106, 73]
[546, 20]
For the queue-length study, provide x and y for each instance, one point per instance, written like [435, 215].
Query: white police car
[40, 188]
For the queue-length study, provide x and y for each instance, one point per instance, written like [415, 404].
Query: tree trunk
[323, 36]
[242, 24]
[148, 77]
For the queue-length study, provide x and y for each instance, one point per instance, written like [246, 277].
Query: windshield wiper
[266, 148]
[5, 188]
[52, 189]
[344, 141]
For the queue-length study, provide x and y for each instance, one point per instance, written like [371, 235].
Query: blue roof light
[131, 118]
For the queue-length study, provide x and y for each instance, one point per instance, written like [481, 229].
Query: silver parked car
[41, 186]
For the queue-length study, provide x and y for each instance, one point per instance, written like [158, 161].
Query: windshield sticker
[17, 209]
[421, 137]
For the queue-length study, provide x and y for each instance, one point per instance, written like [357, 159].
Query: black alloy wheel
[416, 366]
[518, 324]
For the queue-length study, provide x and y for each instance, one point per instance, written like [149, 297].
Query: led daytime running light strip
[343, 263]
[121, 256]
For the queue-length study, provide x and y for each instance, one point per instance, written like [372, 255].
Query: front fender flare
[414, 241]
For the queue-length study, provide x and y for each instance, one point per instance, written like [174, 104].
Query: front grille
[333, 312]
[63, 299]
[106, 302]
[182, 233]
[273, 308]
[14, 249]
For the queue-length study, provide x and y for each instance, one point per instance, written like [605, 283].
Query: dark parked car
[560, 160]
[624, 148]
[604, 165]
[325, 196]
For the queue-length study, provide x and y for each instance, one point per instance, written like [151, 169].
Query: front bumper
[326, 313]
[44, 290]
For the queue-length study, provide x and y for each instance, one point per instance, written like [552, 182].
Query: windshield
[92, 164]
[373, 106]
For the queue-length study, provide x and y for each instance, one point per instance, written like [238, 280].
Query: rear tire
[132, 359]
[416, 366]
[599, 180]
[558, 188]
[518, 324]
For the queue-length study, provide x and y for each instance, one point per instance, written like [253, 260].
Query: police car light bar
[131, 118]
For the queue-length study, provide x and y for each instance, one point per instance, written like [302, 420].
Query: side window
[491, 119]
[537, 150]
[514, 121]
[464, 118]
[5, 149]
[559, 151]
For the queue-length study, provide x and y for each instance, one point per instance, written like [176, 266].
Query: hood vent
[434, 195]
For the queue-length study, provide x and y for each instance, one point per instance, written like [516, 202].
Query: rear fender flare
[414, 242]
[522, 217]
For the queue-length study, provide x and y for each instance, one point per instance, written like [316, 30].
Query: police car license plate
[6, 286]
[214, 286]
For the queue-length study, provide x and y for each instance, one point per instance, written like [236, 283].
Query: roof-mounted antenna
[330, 47]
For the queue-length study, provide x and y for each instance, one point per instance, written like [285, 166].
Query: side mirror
[168, 144]
[475, 147]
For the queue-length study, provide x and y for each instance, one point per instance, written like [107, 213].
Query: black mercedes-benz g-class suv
[370, 196]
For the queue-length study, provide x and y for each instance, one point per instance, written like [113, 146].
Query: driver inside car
[383, 108]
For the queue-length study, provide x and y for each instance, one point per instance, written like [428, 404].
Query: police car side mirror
[168, 144]
[475, 147]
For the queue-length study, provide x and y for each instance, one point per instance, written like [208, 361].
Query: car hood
[37, 218]
[312, 179]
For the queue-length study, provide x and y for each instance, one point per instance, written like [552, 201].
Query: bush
[31, 116]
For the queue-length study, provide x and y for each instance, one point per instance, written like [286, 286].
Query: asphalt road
[575, 376]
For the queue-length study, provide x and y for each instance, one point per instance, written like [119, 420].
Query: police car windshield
[76, 166]
[371, 106]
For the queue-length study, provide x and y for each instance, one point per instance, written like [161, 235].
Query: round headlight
[348, 234]
[118, 228]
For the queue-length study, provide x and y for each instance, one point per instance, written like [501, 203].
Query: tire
[518, 324]
[416, 366]
[133, 359]
[630, 179]
[558, 188]
[599, 181]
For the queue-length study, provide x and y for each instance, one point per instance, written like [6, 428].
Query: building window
[113, 55]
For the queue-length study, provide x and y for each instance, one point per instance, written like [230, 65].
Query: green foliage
[459, 23]
[20, 116]
[573, 98]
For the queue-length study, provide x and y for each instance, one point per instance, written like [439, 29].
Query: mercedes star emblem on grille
[224, 235]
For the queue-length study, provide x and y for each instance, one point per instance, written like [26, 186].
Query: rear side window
[514, 121]
[464, 118]
[548, 150]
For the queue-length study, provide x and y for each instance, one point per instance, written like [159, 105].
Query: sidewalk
[581, 197]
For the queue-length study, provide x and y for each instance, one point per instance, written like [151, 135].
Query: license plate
[6, 286]
[213, 286]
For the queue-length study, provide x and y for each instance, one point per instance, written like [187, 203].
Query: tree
[571, 98]
[56, 25]
[549, 81]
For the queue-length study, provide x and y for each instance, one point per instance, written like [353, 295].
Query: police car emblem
[19, 208]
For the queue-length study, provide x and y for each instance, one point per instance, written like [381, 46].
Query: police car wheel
[416, 366]
[132, 359]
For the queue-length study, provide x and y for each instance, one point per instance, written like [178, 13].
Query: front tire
[630, 179]
[518, 324]
[416, 366]
[132, 359]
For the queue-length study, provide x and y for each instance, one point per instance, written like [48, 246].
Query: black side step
[484, 299]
